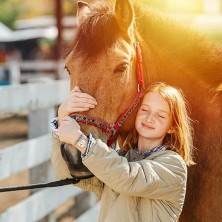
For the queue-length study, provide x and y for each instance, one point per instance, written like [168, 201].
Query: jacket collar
[132, 155]
[155, 149]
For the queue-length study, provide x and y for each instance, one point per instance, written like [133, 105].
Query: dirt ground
[14, 129]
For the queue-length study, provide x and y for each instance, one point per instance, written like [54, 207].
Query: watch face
[82, 143]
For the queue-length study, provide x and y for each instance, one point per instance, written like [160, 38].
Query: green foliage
[9, 11]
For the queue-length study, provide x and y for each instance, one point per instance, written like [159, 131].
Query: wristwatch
[81, 142]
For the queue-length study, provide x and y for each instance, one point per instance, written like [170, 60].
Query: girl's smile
[147, 126]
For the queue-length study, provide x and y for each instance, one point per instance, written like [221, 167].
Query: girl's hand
[77, 101]
[69, 130]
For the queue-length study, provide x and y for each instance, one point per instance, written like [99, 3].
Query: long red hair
[181, 140]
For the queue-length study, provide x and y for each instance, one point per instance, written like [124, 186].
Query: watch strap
[81, 142]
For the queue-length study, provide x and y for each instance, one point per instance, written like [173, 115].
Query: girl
[148, 183]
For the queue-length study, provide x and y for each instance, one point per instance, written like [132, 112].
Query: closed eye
[121, 68]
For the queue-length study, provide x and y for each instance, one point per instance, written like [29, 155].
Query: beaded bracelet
[78, 139]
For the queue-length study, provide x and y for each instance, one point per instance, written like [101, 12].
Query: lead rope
[57, 183]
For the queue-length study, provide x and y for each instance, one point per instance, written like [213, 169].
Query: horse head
[102, 62]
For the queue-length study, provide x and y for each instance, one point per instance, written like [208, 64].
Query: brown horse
[102, 61]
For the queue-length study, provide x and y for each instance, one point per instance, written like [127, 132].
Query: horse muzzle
[72, 157]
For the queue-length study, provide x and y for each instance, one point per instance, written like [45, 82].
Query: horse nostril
[71, 155]
[62, 149]
[73, 160]
[76, 166]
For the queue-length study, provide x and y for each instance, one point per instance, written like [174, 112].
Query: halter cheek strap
[140, 77]
[111, 129]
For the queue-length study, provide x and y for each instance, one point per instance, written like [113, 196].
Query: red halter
[111, 129]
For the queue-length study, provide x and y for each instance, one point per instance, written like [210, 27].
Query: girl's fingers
[82, 105]
[77, 109]
[84, 100]
[83, 95]
[66, 118]
[76, 89]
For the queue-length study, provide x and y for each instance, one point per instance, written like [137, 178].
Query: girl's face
[153, 118]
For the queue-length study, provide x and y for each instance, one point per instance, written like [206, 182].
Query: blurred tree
[69, 7]
[36, 8]
[10, 10]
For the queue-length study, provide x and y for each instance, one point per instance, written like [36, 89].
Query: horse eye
[121, 68]
[67, 69]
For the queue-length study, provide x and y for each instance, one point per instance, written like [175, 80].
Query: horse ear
[82, 11]
[124, 14]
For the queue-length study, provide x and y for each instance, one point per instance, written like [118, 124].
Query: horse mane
[199, 58]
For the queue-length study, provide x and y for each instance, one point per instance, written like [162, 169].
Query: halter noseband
[111, 129]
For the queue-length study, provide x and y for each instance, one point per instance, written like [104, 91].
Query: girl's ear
[124, 14]
[170, 130]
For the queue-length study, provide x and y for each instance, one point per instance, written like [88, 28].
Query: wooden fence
[34, 71]
[39, 100]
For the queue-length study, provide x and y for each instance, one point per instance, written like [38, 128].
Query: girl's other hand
[69, 130]
[77, 101]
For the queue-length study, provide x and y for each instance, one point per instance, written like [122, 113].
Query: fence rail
[34, 70]
[39, 204]
[24, 155]
[38, 100]
[19, 98]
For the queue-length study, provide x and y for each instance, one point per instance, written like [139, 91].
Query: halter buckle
[112, 131]
[136, 44]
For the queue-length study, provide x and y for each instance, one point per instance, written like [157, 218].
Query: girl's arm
[76, 102]
[161, 178]
[62, 172]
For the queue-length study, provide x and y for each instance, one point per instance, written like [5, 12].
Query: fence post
[14, 72]
[39, 124]
[83, 202]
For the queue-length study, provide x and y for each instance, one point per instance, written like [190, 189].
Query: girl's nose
[150, 117]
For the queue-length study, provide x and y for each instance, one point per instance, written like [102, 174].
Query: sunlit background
[29, 29]
[32, 35]
[204, 15]
[40, 18]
